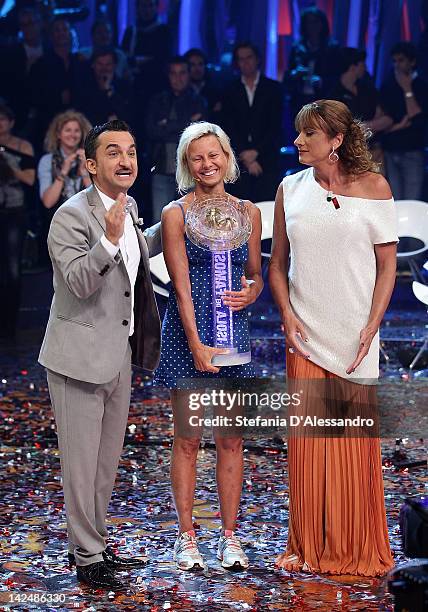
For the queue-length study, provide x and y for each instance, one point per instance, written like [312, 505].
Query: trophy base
[231, 358]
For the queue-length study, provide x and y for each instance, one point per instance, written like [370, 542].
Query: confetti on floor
[33, 551]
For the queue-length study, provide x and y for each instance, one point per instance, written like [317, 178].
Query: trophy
[219, 225]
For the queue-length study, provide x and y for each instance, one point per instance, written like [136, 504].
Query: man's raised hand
[115, 220]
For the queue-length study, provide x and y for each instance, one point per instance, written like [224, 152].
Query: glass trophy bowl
[219, 224]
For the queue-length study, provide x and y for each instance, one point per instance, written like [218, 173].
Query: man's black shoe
[99, 576]
[113, 561]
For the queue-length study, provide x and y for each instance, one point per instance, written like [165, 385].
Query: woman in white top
[336, 221]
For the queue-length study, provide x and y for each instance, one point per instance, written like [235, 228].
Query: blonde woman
[205, 162]
[62, 171]
[336, 221]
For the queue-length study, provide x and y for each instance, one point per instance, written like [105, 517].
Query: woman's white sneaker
[230, 551]
[186, 553]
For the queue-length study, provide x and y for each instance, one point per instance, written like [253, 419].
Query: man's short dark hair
[176, 59]
[102, 52]
[349, 56]
[6, 111]
[91, 140]
[58, 19]
[195, 52]
[245, 45]
[405, 48]
[98, 23]
[310, 13]
[29, 10]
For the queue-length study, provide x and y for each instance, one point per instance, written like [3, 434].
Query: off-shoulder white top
[332, 270]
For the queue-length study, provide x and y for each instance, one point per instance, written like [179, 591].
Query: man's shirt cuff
[111, 248]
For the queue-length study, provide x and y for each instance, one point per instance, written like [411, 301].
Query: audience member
[404, 97]
[54, 77]
[102, 96]
[422, 51]
[30, 39]
[62, 171]
[17, 59]
[353, 87]
[148, 46]
[201, 82]
[252, 116]
[17, 170]
[169, 112]
[313, 63]
[9, 24]
[102, 37]
[356, 89]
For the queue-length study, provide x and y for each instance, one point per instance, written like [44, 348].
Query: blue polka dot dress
[176, 362]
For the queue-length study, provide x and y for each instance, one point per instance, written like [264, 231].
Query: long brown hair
[334, 117]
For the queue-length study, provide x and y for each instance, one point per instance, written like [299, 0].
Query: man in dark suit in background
[252, 116]
[104, 96]
[54, 78]
[18, 56]
[169, 112]
[202, 83]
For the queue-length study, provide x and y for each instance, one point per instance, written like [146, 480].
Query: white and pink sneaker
[186, 552]
[230, 552]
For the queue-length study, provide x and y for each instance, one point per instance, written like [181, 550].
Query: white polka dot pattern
[176, 359]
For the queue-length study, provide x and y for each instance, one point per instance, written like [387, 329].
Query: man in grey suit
[103, 304]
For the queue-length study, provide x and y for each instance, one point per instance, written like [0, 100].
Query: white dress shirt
[33, 54]
[251, 91]
[129, 248]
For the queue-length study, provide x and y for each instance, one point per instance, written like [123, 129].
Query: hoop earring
[333, 157]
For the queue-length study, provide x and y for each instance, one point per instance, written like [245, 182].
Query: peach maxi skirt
[337, 520]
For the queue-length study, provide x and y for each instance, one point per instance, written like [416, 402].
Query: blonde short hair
[58, 122]
[194, 131]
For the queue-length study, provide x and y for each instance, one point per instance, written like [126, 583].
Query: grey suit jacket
[88, 328]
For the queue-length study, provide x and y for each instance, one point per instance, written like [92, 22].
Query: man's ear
[91, 166]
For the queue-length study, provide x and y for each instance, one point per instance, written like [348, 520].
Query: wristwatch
[408, 94]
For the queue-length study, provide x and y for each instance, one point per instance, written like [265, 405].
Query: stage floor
[34, 571]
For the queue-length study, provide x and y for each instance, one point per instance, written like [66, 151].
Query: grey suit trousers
[91, 422]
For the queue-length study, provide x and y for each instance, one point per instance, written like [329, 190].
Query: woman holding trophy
[208, 236]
